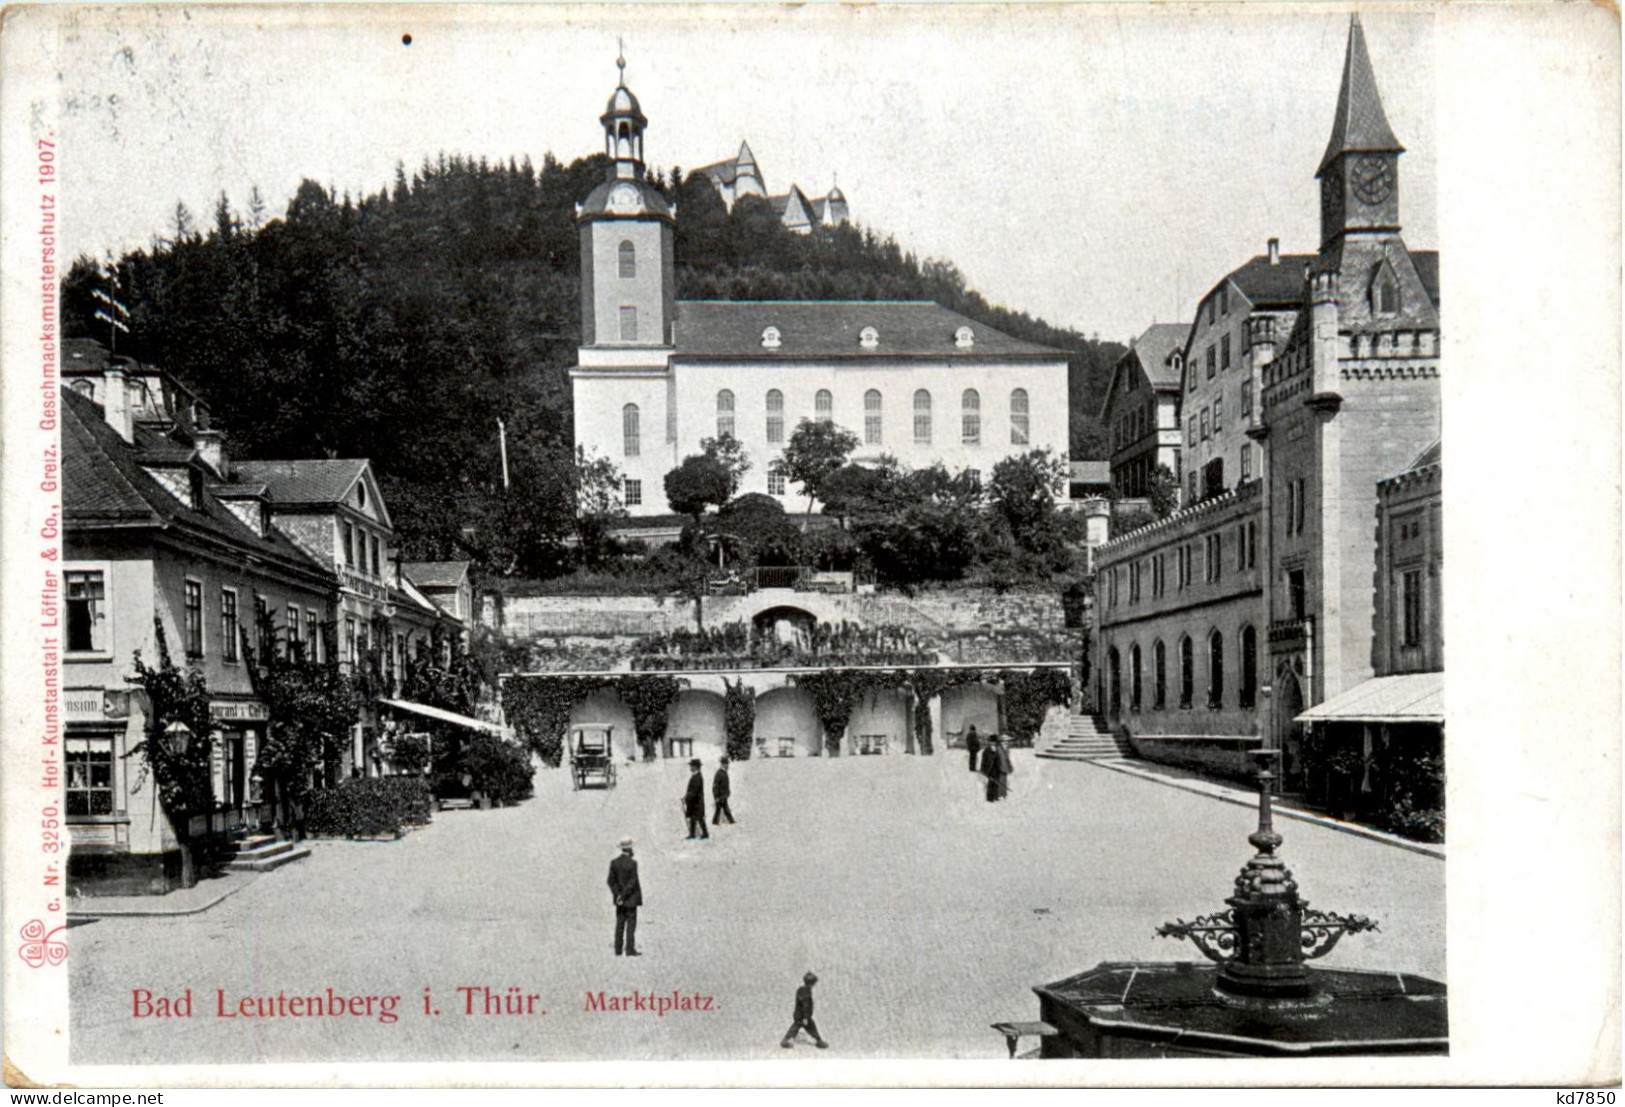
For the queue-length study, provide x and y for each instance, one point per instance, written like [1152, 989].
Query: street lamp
[177, 737]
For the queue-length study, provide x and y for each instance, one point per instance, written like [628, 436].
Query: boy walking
[804, 1015]
[720, 791]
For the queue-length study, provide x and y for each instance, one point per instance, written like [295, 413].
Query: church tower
[628, 273]
[1359, 175]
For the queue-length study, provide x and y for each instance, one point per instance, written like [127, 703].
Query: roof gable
[319, 483]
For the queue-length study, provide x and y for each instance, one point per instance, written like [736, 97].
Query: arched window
[629, 430]
[1134, 677]
[1215, 669]
[1019, 427]
[629, 259]
[775, 416]
[1159, 675]
[725, 413]
[823, 406]
[922, 417]
[1114, 682]
[871, 417]
[970, 411]
[1247, 694]
[1385, 292]
[1187, 678]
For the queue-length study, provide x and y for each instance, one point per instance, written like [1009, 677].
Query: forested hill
[400, 326]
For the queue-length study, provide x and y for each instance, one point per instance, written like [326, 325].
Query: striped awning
[1407, 698]
[447, 716]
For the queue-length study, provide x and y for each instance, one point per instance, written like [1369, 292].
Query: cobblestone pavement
[926, 912]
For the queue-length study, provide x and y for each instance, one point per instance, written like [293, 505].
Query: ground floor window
[1159, 670]
[1187, 678]
[89, 764]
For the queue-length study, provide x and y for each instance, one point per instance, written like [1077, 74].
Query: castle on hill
[740, 176]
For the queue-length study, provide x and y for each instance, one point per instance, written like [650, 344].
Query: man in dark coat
[628, 893]
[719, 794]
[694, 802]
[996, 767]
[973, 742]
[804, 1015]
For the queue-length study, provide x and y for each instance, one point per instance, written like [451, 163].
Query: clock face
[623, 198]
[1373, 178]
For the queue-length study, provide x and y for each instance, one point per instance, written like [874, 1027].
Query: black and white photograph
[565, 534]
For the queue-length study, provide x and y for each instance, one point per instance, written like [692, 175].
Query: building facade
[656, 375]
[1141, 409]
[157, 535]
[1333, 396]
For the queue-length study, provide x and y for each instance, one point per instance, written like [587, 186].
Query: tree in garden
[177, 705]
[815, 452]
[1023, 489]
[598, 503]
[700, 481]
[1163, 492]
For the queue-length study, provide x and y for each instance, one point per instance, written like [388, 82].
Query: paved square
[926, 912]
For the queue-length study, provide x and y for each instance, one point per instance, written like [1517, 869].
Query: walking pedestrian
[694, 802]
[995, 767]
[628, 895]
[973, 742]
[804, 1015]
[720, 791]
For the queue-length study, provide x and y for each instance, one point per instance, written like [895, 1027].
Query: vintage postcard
[810, 544]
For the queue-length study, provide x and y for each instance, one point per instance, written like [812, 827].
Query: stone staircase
[259, 853]
[1088, 738]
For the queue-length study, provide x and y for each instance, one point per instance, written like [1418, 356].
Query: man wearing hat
[694, 802]
[719, 794]
[804, 1015]
[628, 893]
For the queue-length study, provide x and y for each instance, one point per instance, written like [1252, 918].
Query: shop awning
[1407, 698]
[446, 716]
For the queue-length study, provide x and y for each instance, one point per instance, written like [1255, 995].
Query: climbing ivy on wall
[650, 697]
[538, 705]
[739, 718]
[1028, 696]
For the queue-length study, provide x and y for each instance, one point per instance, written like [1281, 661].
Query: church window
[633, 492]
[775, 416]
[1019, 426]
[871, 417]
[970, 431]
[974, 476]
[629, 259]
[725, 413]
[823, 406]
[629, 430]
[775, 483]
[922, 417]
[629, 323]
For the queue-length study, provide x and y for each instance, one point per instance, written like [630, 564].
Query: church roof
[727, 171]
[651, 201]
[1360, 123]
[834, 328]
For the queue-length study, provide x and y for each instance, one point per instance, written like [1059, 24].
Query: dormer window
[964, 338]
[1385, 292]
[868, 338]
[771, 339]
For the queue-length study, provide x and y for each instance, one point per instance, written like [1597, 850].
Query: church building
[740, 176]
[656, 375]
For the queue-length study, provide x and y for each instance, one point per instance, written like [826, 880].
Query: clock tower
[1359, 175]
[628, 272]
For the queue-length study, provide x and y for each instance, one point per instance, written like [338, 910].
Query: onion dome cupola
[624, 193]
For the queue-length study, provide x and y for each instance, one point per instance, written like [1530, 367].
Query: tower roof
[1360, 123]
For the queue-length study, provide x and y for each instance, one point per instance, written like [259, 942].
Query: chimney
[211, 447]
[1275, 251]
[116, 403]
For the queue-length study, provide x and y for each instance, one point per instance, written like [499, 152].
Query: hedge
[368, 808]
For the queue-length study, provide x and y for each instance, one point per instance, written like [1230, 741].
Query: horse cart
[592, 757]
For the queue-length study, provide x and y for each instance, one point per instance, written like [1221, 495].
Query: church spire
[1360, 124]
